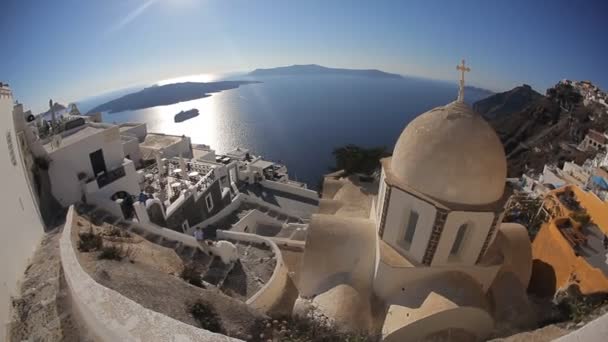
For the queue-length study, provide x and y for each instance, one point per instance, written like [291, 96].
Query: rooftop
[158, 140]
[70, 137]
[125, 126]
[295, 205]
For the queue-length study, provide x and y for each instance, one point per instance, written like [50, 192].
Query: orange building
[570, 247]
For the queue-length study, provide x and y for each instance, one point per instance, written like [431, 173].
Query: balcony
[110, 176]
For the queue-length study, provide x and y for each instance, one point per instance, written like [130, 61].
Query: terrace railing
[110, 176]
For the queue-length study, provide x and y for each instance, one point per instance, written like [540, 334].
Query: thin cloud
[130, 17]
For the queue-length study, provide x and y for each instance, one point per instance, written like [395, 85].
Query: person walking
[199, 235]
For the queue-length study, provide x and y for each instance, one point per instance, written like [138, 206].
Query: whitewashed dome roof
[451, 154]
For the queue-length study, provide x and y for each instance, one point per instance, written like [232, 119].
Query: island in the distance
[166, 95]
[314, 69]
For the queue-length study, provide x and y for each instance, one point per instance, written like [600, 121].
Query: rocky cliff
[541, 129]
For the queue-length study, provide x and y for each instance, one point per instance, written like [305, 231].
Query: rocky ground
[149, 275]
[254, 269]
[42, 310]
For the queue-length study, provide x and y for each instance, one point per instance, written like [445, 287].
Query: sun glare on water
[189, 78]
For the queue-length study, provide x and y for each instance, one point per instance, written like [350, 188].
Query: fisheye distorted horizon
[69, 50]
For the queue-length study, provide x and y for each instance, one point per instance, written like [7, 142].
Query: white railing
[292, 189]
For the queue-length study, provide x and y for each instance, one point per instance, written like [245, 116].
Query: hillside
[511, 101]
[538, 130]
[313, 69]
[166, 95]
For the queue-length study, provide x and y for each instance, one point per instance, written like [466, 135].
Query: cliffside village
[571, 247]
[419, 251]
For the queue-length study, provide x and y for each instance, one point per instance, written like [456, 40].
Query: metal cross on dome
[462, 68]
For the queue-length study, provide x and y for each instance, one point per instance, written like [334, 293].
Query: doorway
[97, 162]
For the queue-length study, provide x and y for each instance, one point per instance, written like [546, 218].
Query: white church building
[421, 253]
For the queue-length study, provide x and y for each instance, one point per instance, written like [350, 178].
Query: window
[11, 151]
[460, 235]
[410, 229]
[97, 162]
[209, 202]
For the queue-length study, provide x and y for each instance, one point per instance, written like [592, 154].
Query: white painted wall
[21, 226]
[68, 161]
[110, 316]
[389, 280]
[181, 147]
[478, 225]
[138, 130]
[290, 189]
[130, 147]
[229, 209]
[271, 293]
[399, 206]
[128, 183]
[594, 331]
[549, 177]
[577, 172]
[380, 198]
[252, 220]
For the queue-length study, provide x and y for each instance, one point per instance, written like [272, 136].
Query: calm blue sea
[299, 120]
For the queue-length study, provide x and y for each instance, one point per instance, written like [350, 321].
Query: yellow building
[569, 250]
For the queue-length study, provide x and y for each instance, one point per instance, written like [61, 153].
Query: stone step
[217, 272]
[158, 239]
[169, 243]
[179, 249]
[186, 251]
[286, 232]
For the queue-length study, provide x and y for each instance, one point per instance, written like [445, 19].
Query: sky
[72, 49]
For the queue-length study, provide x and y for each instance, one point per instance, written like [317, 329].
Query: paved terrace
[296, 205]
[198, 174]
[594, 251]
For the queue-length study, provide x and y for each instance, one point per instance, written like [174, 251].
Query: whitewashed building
[426, 241]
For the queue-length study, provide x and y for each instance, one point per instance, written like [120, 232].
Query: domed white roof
[452, 154]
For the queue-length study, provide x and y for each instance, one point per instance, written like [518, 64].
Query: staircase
[217, 272]
[213, 271]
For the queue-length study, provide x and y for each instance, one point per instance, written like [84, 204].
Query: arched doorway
[126, 203]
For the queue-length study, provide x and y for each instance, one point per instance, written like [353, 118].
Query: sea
[296, 120]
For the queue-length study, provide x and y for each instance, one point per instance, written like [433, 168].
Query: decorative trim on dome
[486, 243]
[387, 196]
[438, 226]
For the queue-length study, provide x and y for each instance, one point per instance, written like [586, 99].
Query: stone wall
[269, 295]
[109, 316]
[194, 208]
[21, 227]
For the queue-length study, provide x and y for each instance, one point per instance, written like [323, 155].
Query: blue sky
[70, 49]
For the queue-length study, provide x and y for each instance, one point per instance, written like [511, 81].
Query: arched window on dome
[410, 230]
[459, 240]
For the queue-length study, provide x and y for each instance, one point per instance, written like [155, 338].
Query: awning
[600, 182]
[262, 164]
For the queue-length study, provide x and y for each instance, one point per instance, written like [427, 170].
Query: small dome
[452, 154]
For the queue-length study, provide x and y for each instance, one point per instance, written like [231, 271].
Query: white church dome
[452, 154]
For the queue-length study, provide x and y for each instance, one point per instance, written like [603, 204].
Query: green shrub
[110, 252]
[117, 232]
[89, 242]
[206, 317]
[192, 276]
[356, 159]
